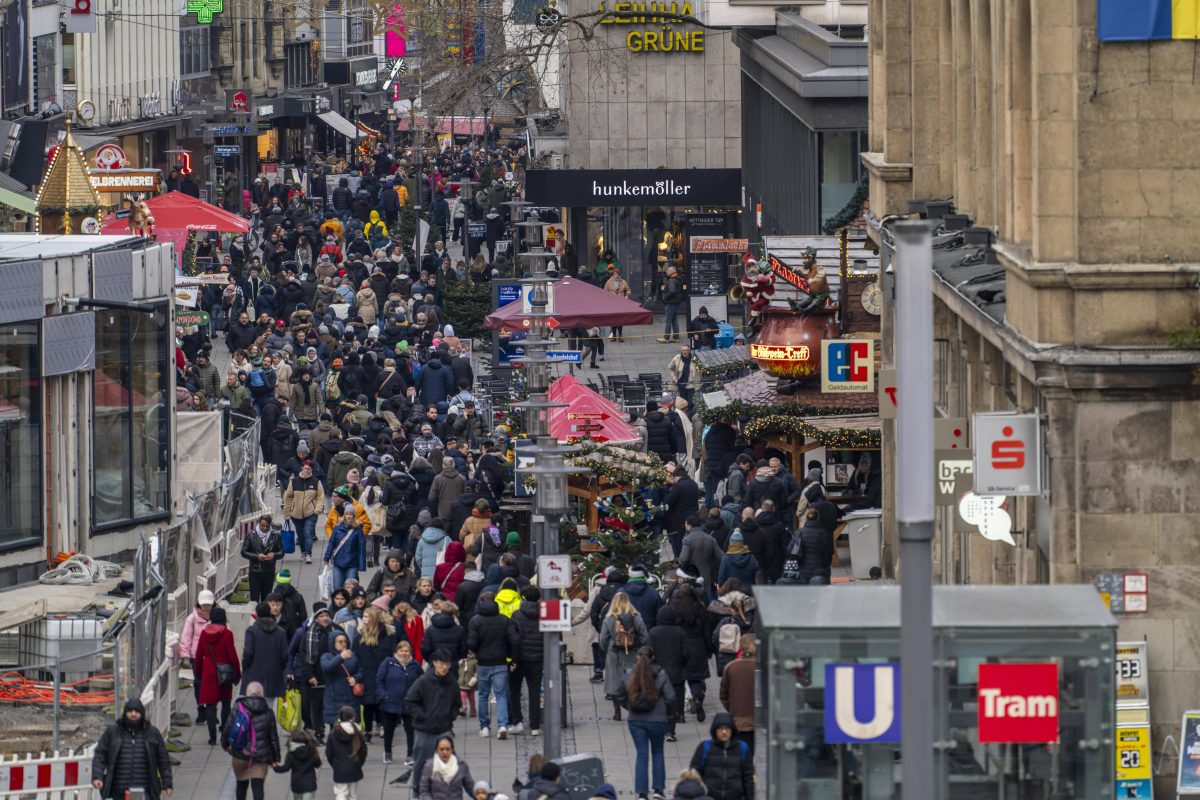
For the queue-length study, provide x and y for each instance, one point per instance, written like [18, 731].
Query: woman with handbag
[217, 669]
[343, 679]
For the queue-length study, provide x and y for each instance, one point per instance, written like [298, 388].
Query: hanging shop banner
[1134, 763]
[706, 269]
[1132, 673]
[577, 188]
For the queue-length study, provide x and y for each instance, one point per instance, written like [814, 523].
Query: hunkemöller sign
[664, 40]
[634, 187]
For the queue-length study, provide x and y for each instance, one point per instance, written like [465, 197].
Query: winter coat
[434, 788]
[306, 410]
[743, 567]
[339, 745]
[444, 633]
[667, 639]
[340, 466]
[215, 647]
[808, 555]
[266, 733]
[400, 492]
[406, 580]
[737, 692]
[324, 431]
[702, 552]
[697, 648]
[253, 545]
[368, 305]
[489, 636]
[433, 702]
[338, 693]
[616, 660]
[449, 574]
[189, 637]
[727, 768]
[265, 657]
[302, 761]
[432, 542]
[666, 697]
[303, 497]
[468, 594]
[392, 682]
[682, 501]
[370, 659]
[349, 555]
[472, 528]
[759, 489]
[661, 436]
[136, 752]
[447, 486]
[645, 599]
[772, 539]
[435, 383]
[530, 643]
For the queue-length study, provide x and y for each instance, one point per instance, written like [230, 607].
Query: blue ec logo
[849, 362]
[862, 703]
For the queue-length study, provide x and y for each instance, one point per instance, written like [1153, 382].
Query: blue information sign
[511, 348]
[565, 356]
[507, 293]
[862, 703]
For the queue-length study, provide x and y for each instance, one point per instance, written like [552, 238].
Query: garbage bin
[725, 335]
[864, 529]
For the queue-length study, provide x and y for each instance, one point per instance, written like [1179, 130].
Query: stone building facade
[1076, 153]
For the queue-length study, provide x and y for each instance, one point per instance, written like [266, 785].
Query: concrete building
[1075, 155]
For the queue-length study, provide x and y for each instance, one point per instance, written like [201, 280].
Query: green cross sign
[204, 9]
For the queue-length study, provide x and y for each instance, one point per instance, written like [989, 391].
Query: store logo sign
[1018, 703]
[665, 188]
[81, 19]
[366, 77]
[847, 365]
[862, 703]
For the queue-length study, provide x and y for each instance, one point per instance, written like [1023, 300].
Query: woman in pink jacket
[189, 639]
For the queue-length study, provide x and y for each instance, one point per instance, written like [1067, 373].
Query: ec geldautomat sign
[634, 187]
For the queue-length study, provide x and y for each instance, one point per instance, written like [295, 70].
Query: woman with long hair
[408, 624]
[694, 620]
[346, 752]
[646, 692]
[622, 633]
[376, 641]
[446, 776]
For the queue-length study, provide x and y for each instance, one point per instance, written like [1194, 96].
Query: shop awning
[13, 193]
[462, 126]
[576, 305]
[339, 123]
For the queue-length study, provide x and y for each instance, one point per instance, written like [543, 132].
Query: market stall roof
[759, 389]
[576, 305]
[588, 414]
[462, 126]
[176, 211]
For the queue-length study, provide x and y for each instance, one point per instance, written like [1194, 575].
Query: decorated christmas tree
[188, 262]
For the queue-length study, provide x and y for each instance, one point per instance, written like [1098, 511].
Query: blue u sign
[862, 703]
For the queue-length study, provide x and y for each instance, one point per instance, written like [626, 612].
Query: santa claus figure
[757, 290]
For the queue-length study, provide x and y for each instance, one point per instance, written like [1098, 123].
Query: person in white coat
[686, 459]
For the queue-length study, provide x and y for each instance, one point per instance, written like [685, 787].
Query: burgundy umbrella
[576, 305]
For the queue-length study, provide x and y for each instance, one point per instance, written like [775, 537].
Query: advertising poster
[706, 271]
[1189, 754]
[1133, 763]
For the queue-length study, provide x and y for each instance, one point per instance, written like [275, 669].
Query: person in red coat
[449, 574]
[216, 647]
[409, 620]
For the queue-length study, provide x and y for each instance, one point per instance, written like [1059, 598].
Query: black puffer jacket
[726, 768]
[808, 556]
[529, 638]
[489, 636]
[433, 701]
[132, 755]
[444, 633]
[774, 539]
[667, 639]
[604, 596]
[661, 438]
[266, 734]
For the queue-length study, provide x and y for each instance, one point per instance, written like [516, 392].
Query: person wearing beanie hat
[738, 562]
[645, 599]
[216, 647]
[482, 790]
[189, 638]
[512, 538]
[546, 784]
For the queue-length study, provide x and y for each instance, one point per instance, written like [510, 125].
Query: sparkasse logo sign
[1018, 703]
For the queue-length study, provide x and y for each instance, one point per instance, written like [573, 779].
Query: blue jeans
[648, 738]
[341, 574]
[710, 489]
[306, 530]
[495, 680]
[671, 315]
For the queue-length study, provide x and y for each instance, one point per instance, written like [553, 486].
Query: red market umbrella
[588, 414]
[176, 215]
[576, 305]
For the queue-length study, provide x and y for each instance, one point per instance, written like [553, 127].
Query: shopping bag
[288, 535]
[287, 711]
[325, 585]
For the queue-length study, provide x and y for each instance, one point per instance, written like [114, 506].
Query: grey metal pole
[57, 697]
[551, 664]
[914, 501]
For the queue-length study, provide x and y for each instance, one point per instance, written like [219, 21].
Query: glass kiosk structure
[804, 630]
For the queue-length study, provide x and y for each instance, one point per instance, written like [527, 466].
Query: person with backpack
[731, 615]
[738, 562]
[724, 762]
[737, 691]
[346, 752]
[647, 693]
[400, 499]
[621, 635]
[614, 579]
[252, 739]
[217, 669]
[303, 759]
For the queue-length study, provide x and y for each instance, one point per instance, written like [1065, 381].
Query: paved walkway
[205, 771]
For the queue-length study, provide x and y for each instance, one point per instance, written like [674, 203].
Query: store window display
[20, 436]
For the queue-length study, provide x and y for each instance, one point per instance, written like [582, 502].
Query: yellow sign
[663, 40]
[1133, 761]
[771, 352]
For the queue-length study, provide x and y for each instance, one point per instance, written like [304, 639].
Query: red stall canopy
[177, 214]
[588, 414]
[576, 305]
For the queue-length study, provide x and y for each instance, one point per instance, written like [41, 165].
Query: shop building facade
[1034, 122]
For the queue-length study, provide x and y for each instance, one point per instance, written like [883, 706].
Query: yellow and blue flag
[1147, 20]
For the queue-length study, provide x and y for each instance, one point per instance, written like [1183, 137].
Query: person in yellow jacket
[508, 598]
[332, 226]
[341, 496]
[376, 230]
[402, 193]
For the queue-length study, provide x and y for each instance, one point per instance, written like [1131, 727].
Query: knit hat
[737, 538]
[512, 539]
[482, 505]
[303, 361]
[342, 491]
[637, 573]
[484, 785]
[387, 460]
[403, 346]
[814, 474]
[302, 447]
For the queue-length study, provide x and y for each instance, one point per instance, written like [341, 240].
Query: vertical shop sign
[706, 272]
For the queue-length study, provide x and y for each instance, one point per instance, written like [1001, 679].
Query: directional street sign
[600, 415]
[552, 323]
[565, 356]
[586, 427]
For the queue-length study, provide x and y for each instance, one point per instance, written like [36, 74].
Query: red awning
[588, 414]
[576, 305]
[176, 215]
[463, 126]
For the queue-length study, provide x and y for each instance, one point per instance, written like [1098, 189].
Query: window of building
[68, 59]
[131, 439]
[254, 38]
[20, 436]
[194, 60]
[840, 167]
[300, 68]
[44, 68]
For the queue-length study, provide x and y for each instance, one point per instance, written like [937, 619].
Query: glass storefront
[642, 240]
[131, 436]
[20, 436]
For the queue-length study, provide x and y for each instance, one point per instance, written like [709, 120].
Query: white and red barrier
[57, 777]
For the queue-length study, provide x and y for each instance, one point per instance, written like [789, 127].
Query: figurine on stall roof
[757, 290]
[818, 285]
[141, 223]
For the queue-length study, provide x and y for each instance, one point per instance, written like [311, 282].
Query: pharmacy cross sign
[204, 9]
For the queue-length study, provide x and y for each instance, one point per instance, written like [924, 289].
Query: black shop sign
[577, 188]
[705, 271]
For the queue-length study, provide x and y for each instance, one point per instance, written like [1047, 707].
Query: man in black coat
[774, 535]
[763, 486]
[719, 452]
[682, 501]
[444, 633]
[661, 433]
[667, 639]
[725, 762]
[527, 664]
[493, 642]
[132, 754]
[265, 654]
[809, 554]
[433, 702]
[241, 334]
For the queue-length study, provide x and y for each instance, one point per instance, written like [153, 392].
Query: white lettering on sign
[665, 188]
[885, 705]
[366, 76]
[266, 111]
[997, 705]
